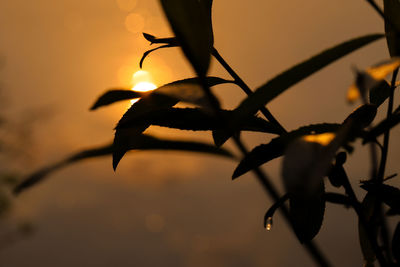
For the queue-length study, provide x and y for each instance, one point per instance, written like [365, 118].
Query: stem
[246, 88]
[386, 137]
[363, 221]
[382, 14]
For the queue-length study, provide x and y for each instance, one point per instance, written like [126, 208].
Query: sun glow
[142, 82]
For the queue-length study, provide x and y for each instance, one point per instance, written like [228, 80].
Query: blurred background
[164, 208]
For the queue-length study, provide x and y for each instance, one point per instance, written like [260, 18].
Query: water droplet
[268, 225]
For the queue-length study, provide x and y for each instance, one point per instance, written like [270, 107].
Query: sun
[142, 82]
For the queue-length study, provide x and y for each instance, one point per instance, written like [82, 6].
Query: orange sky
[169, 209]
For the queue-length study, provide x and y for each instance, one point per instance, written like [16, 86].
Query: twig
[382, 14]
[246, 88]
[386, 137]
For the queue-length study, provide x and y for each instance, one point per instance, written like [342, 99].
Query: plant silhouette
[309, 153]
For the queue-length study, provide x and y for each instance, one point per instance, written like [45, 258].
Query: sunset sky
[158, 208]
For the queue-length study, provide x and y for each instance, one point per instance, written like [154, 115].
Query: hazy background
[168, 209]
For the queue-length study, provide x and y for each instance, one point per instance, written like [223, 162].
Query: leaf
[141, 142]
[123, 135]
[148, 52]
[42, 173]
[388, 194]
[371, 79]
[267, 152]
[380, 93]
[392, 11]
[267, 92]
[190, 21]
[306, 194]
[195, 119]
[305, 164]
[382, 127]
[115, 95]
[155, 40]
[396, 243]
[187, 90]
[361, 117]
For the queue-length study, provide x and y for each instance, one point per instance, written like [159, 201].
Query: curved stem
[246, 88]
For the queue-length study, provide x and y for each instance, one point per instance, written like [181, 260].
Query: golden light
[142, 82]
[323, 139]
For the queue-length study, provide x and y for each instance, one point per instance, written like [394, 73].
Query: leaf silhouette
[388, 194]
[274, 149]
[155, 40]
[392, 10]
[187, 90]
[42, 173]
[267, 92]
[140, 142]
[380, 93]
[371, 79]
[115, 95]
[195, 119]
[361, 117]
[191, 23]
[306, 195]
[307, 161]
[382, 127]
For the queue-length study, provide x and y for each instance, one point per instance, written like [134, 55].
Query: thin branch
[386, 137]
[382, 14]
[245, 88]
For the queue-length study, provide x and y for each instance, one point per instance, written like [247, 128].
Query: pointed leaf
[388, 194]
[266, 152]
[392, 11]
[155, 40]
[115, 95]
[187, 90]
[140, 142]
[382, 127]
[380, 93]
[267, 92]
[306, 195]
[371, 79]
[306, 163]
[39, 175]
[361, 117]
[195, 119]
[190, 21]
